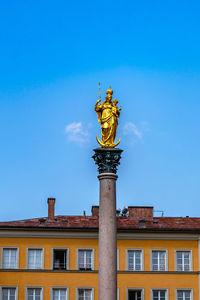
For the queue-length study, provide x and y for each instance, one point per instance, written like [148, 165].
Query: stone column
[107, 161]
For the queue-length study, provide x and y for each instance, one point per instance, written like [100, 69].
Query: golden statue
[107, 113]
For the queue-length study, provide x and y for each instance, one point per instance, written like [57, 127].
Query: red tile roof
[123, 223]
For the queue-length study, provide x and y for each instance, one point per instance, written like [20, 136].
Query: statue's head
[109, 93]
[115, 101]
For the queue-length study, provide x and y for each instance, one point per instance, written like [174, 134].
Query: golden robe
[107, 116]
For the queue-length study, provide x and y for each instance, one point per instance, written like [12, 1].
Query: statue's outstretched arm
[97, 107]
[98, 101]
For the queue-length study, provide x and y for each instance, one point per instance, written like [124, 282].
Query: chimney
[95, 211]
[51, 207]
[140, 211]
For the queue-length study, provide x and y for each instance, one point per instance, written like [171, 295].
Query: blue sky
[52, 56]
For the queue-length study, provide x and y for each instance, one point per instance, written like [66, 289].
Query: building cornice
[93, 234]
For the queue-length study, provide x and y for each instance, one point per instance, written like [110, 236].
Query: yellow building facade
[57, 257]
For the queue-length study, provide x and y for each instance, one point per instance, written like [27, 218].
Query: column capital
[107, 159]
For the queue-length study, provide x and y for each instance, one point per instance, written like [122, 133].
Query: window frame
[34, 287]
[59, 287]
[43, 254]
[160, 289]
[92, 258]
[17, 257]
[142, 258]
[84, 288]
[183, 289]
[9, 287]
[191, 259]
[52, 256]
[151, 259]
[135, 289]
[117, 259]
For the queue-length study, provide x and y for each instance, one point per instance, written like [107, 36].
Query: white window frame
[60, 287]
[135, 289]
[34, 287]
[160, 289]
[142, 259]
[117, 259]
[34, 248]
[60, 248]
[191, 259]
[85, 288]
[9, 287]
[183, 289]
[77, 256]
[166, 259]
[17, 256]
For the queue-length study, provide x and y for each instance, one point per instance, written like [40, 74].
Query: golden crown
[109, 91]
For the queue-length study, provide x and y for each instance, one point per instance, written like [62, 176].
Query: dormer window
[142, 223]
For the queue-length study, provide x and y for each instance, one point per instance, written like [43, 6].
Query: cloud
[76, 132]
[131, 128]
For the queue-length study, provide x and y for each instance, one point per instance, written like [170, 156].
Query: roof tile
[123, 223]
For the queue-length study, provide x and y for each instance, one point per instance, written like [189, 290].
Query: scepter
[99, 91]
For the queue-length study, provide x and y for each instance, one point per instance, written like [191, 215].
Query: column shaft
[107, 237]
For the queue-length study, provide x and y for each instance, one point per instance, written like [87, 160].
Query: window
[135, 294]
[184, 295]
[159, 295]
[8, 293]
[183, 261]
[159, 260]
[134, 260]
[85, 259]
[84, 294]
[60, 259]
[60, 294]
[9, 258]
[34, 293]
[35, 259]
